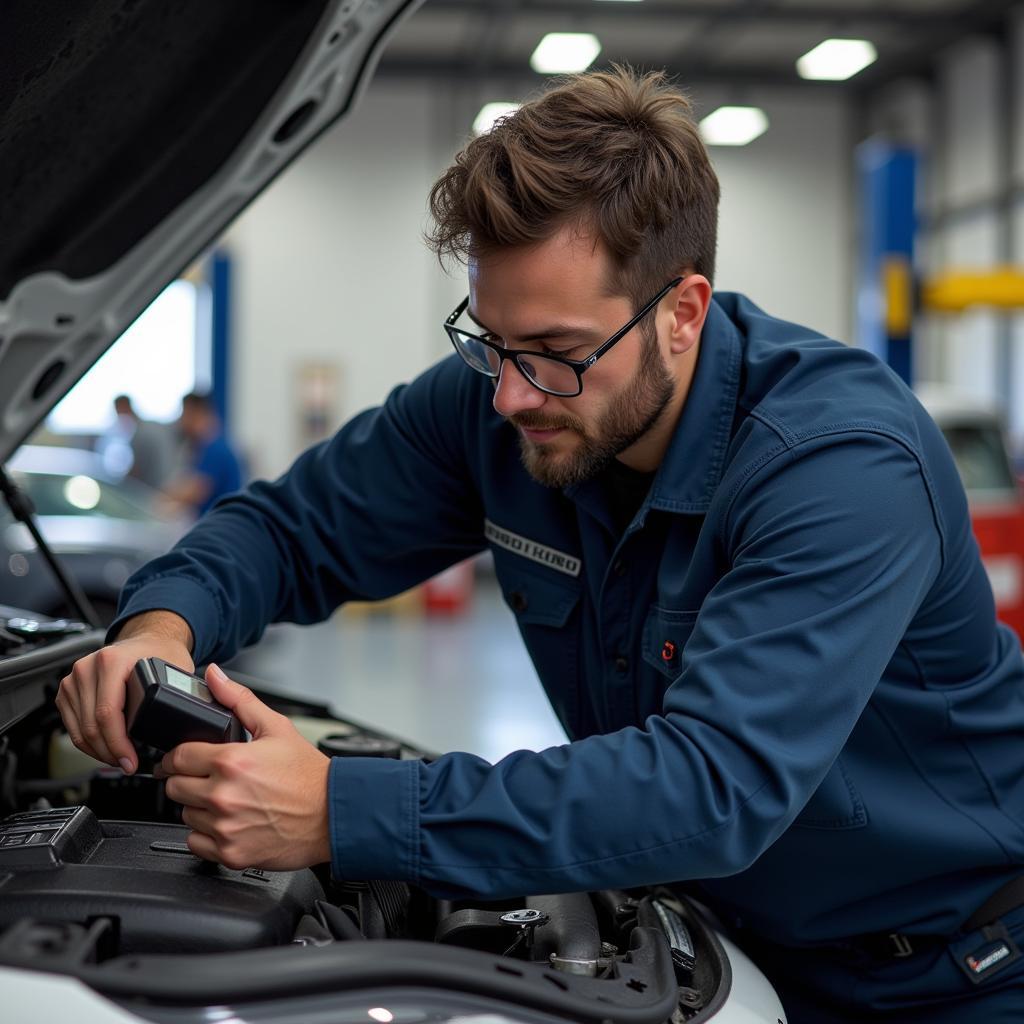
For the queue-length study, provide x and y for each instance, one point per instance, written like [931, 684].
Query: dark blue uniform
[215, 460]
[784, 681]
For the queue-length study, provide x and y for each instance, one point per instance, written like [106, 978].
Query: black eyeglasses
[554, 375]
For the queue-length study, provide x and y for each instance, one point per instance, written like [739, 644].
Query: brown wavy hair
[617, 152]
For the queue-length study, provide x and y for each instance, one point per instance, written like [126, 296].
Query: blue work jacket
[784, 681]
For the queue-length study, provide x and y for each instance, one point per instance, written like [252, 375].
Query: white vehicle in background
[131, 133]
[102, 526]
[976, 434]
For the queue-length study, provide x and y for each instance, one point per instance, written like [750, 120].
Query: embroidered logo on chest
[536, 552]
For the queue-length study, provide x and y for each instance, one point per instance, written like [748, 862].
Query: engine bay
[65, 865]
[97, 882]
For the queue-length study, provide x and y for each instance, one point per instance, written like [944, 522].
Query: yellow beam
[954, 291]
[898, 289]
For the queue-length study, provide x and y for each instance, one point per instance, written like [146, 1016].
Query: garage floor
[459, 682]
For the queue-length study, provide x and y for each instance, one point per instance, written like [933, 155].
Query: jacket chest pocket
[664, 636]
[537, 601]
[662, 640]
[544, 609]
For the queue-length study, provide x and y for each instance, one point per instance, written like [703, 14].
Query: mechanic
[740, 557]
[151, 444]
[215, 469]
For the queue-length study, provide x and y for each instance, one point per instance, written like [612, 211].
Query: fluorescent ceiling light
[564, 52]
[733, 126]
[836, 59]
[489, 113]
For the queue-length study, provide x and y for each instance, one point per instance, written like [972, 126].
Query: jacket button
[619, 567]
[517, 599]
[621, 665]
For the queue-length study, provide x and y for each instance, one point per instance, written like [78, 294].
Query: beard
[630, 415]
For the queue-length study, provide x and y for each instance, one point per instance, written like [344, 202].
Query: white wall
[330, 266]
[968, 125]
[785, 229]
[970, 155]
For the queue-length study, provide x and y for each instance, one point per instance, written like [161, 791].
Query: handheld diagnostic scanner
[165, 706]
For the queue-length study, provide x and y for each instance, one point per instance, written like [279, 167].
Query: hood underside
[131, 133]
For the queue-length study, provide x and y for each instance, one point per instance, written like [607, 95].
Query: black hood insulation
[113, 112]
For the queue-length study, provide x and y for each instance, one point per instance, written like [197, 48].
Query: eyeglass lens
[547, 373]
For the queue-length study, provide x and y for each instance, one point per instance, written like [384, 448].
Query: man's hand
[91, 699]
[257, 804]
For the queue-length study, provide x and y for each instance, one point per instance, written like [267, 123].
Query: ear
[689, 310]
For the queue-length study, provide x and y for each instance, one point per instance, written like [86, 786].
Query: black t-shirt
[626, 489]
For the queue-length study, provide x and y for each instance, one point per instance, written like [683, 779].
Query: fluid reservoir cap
[524, 917]
[358, 745]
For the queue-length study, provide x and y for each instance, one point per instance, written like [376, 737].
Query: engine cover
[65, 865]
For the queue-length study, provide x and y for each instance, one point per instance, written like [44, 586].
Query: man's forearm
[164, 624]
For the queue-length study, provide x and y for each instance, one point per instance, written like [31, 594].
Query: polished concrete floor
[442, 682]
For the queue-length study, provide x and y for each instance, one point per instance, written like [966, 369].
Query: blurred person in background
[214, 468]
[141, 449]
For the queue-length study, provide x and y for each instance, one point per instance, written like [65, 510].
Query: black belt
[897, 945]
[1000, 903]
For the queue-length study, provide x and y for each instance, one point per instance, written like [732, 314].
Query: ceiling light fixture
[565, 52]
[835, 60]
[489, 113]
[733, 126]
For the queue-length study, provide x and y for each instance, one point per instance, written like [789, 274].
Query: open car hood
[131, 133]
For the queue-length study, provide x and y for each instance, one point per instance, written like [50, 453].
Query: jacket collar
[695, 457]
[693, 464]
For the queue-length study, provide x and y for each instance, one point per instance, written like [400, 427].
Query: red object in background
[450, 592]
[978, 440]
[999, 529]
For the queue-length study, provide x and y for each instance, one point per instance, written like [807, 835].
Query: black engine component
[65, 865]
[381, 908]
[495, 931]
[560, 931]
[61, 944]
[571, 942]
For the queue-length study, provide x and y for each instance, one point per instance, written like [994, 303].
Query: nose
[513, 393]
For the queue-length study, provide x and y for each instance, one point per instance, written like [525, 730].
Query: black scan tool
[165, 706]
